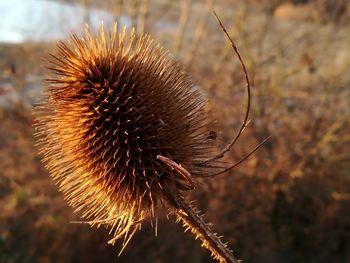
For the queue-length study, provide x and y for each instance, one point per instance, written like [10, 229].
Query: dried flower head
[122, 129]
[114, 103]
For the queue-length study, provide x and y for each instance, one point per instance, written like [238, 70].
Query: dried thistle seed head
[114, 103]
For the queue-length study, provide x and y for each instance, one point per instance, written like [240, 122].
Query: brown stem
[241, 160]
[198, 34]
[245, 121]
[185, 11]
[193, 221]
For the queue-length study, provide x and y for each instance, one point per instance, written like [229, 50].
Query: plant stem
[193, 221]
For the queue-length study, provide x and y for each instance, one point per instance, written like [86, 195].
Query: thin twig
[198, 34]
[143, 13]
[241, 160]
[86, 18]
[133, 13]
[185, 10]
[245, 121]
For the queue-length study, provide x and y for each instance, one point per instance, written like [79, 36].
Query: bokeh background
[289, 202]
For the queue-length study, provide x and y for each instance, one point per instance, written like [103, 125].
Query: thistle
[122, 130]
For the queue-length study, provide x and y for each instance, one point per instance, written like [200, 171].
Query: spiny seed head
[113, 104]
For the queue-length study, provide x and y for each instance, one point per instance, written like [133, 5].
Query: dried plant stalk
[117, 7]
[86, 18]
[199, 33]
[123, 129]
[141, 23]
[185, 11]
[228, 147]
[133, 7]
[193, 221]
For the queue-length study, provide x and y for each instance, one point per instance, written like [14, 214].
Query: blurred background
[289, 202]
